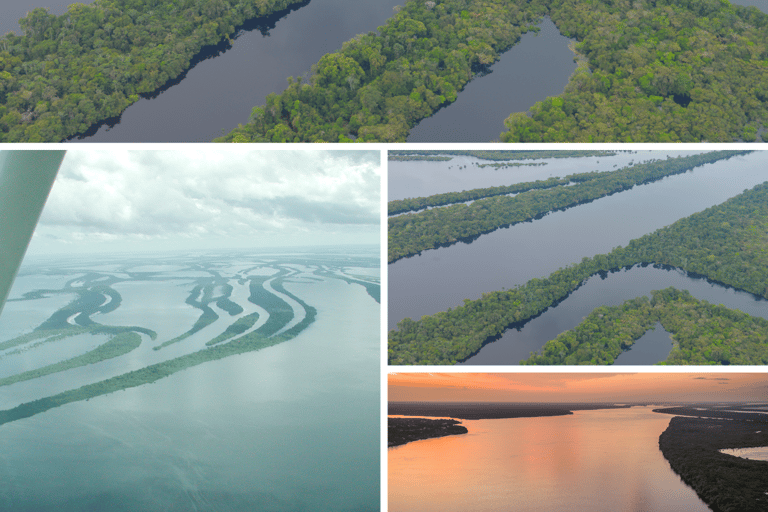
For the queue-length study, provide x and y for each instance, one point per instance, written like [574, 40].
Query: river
[442, 278]
[220, 91]
[290, 427]
[599, 460]
[537, 67]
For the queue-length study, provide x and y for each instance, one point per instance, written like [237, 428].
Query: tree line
[413, 204]
[658, 70]
[410, 234]
[68, 72]
[724, 243]
[724, 482]
[703, 333]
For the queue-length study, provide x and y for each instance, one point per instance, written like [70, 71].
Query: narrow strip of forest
[703, 333]
[68, 72]
[725, 243]
[410, 234]
[414, 204]
[380, 84]
[504, 154]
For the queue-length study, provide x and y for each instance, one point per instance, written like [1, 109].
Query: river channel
[537, 67]
[599, 460]
[442, 278]
[219, 92]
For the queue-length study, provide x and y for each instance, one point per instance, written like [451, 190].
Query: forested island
[126, 339]
[724, 243]
[724, 482]
[68, 72]
[405, 430]
[703, 333]
[491, 210]
[658, 71]
[488, 154]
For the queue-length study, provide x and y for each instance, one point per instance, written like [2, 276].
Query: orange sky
[578, 387]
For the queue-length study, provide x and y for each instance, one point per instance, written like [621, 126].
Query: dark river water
[602, 460]
[218, 93]
[442, 278]
[535, 68]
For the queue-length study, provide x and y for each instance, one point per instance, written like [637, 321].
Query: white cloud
[212, 192]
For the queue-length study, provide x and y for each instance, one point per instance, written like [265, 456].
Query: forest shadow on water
[536, 67]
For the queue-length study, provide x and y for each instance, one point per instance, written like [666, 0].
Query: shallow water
[291, 427]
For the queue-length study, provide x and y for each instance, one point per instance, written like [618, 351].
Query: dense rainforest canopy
[68, 72]
[703, 333]
[413, 233]
[724, 482]
[658, 70]
[725, 243]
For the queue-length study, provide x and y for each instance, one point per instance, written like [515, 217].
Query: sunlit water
[602, 461]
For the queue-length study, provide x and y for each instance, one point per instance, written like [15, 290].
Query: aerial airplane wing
[26, 178]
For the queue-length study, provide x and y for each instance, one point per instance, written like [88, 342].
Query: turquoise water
[291, 427]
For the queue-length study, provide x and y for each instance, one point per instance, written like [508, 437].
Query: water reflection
[535, 68]
[602, 460]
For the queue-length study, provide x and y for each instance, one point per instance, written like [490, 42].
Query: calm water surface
[515, 345]
[290, 427]
[537, 67]
[219, 93]
[603, 461]
[442, 278]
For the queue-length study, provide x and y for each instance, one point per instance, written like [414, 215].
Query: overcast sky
[216, 196]
[578, 387]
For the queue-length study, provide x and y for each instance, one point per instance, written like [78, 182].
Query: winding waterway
[599, 460]
[442, 278]
[537, 67]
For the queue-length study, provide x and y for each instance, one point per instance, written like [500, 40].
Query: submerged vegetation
[439, 227]
[724, 243]
[263, 289]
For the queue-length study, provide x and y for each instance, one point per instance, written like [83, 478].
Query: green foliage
[439, 154]
[659, 71]
[68, 72]
[724, 482]
[725, 243]
[412, 233]
[379, 85]
[703, 333]
[398, 206]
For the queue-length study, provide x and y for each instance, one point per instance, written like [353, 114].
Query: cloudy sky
[576, 387]
[209, 197]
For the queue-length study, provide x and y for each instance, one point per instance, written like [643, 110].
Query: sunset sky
[577, 387]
